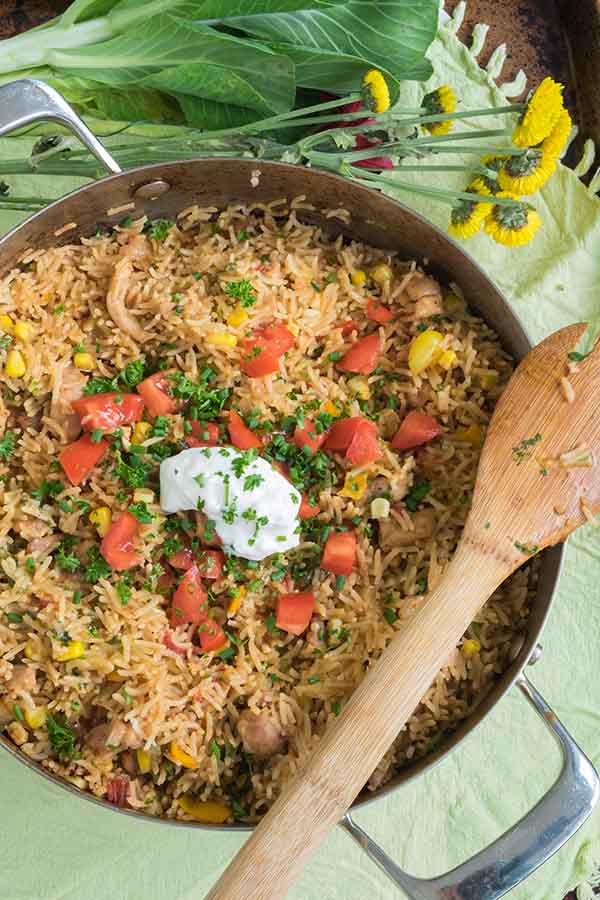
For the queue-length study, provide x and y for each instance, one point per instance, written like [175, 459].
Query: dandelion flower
[556, 141]
[512, 225]
[375, 91]
[467, 217]
[542, 112]
[528, 173]
[442, 100]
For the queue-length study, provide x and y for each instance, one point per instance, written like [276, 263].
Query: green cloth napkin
[58, 847]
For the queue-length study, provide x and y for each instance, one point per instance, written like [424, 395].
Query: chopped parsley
[336, 708]
[252, 481]
[160, 426]
[64, 559]
[128, 377]
[389, 614]
[242, 460]
[141, 512]
[61, 736]
[416, 495]
[315, 287]
[334, 357]
[523, 450]
[96, 567]
[14, 617]
[7, 445]
[131, 470]
[18, 712]
[214, 749]
[124, 591]
[314, 679]
[96, 436]
[205, 402]
[306, 469]
[5, 341]
[329, 279]
[159, 229]
[523, 548]
[47, 489]
[242, 291]
[30, 565]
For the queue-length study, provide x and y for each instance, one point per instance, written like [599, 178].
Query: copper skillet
[162, 191]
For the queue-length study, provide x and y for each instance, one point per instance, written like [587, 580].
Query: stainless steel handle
[27, 100]
[520, 850]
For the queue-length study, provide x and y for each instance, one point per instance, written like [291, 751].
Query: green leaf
[174, 55]
[587, 341]
[82, 10]
[208, 114]
[332, 46]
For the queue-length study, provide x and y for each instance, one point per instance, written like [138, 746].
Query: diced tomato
[240, 434]
[308, 437]
[347, 327]
[307, 511]
[166, 581]
[357, 437]
[261, 351]
[206, 533]
[190, 600]
[78, 459]
[171, 645]
[108, 411]
[203, 434]
[117, 545]
[294, 611]
[182, 559]
[378, 313]
[212, 636]
[210, 563]
[416, 428]
[155, 391]
[362, 356]
[117, 790]
[339, 554]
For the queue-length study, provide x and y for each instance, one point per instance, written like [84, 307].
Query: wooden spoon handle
[346, 756]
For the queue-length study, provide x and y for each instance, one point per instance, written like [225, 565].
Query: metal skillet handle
[27, 100]
[520, 850]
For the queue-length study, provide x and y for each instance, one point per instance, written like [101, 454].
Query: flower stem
[438, 193]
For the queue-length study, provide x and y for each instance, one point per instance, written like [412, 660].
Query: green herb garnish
[242, 291]
[7, 445]
[523, 450]
[416, 495]
[96, 567]
[61, 736]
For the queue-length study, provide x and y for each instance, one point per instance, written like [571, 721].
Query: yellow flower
[542, 112]
[556, 141]
[375, 91]
[528, 173]
[512, 225]
[442, 100]
[466, 218]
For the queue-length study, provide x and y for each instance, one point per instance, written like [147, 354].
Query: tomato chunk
[357, 437]
[378, 313]
[212, 636]
[203, 434]
[347, 327]
[182, 559]
[240, 434]
[362, 356]
[108, 411]
[307, 511]
[155, 391]
[261, 351]
[416, 428]
[190, 600]
[294, 611]
[210, 563]
[308, 437]
[117, 545]
[339, 554]
[78, 459]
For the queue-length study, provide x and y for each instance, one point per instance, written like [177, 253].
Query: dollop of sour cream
[253, 507]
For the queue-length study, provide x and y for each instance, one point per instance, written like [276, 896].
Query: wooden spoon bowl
[538, 480]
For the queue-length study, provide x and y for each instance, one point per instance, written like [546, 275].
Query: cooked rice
[128, 676]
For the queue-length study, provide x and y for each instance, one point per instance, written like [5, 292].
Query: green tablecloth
[57, 847]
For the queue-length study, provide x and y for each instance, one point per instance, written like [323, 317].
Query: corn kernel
[101, 519]
[143, 495]
[31, 650]
[205, 810]
[381, 273]
[447, 359]
[453, 304]
[424, 351]
[355, 485]
[35, 717]
[237, 316]
[182, 758]
[140, 432]
[73, 650]
[489, 380]
[221, 339]
[144, 761]
[24, 331]
[358, 278]
[291, 326]
[6, 324]
[380, 508]
[15, 364]
[236, 602]
[84, 361]
[331, 409]
[470, 647]
[360, 387]
[471, 435]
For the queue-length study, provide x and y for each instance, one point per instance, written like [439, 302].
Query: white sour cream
[255, 513]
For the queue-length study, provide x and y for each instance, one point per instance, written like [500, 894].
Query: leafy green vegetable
[61, 737]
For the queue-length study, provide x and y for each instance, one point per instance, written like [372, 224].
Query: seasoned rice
[130, 678]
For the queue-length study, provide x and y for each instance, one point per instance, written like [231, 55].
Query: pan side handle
[520, 850]
[27, 100]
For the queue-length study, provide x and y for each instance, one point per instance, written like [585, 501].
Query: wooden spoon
[525, 499]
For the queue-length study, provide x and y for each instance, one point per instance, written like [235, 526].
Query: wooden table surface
[543, 37]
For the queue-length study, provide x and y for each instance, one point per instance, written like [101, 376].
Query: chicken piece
[261, 734]
[392, 535]
[22, 680]
[30, 527]
[426, 293]
[67, 385]
[136, 249]
[43, 546]
[388, 422]
[111, 735]
[116, 297]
